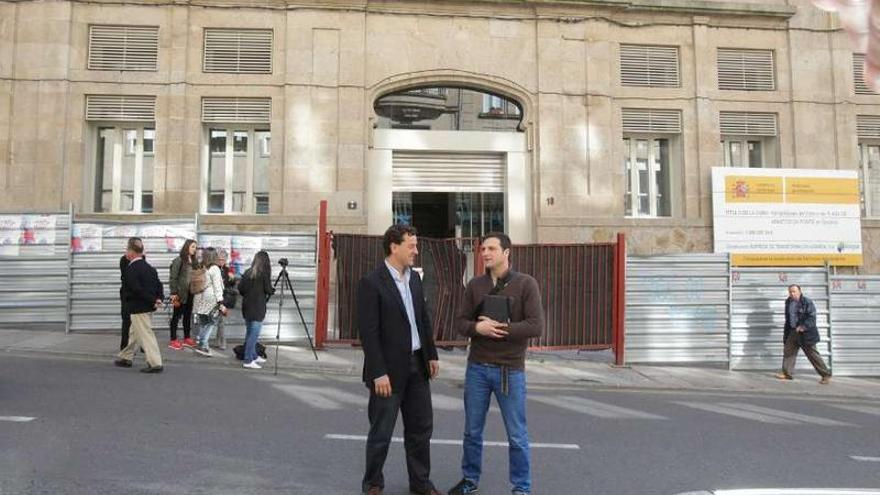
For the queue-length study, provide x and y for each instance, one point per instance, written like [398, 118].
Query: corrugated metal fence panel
[299, 249]
[855, 313]
[758, 314]
[94, 305]
[33, 285]
[677, 308]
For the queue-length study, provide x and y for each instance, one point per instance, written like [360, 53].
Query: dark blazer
[140, 288]
[254, 292]
[384, 327]
[806, 317]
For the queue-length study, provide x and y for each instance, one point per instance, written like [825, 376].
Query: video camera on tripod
[284, 278]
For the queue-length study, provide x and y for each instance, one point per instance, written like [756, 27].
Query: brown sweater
[526, 320]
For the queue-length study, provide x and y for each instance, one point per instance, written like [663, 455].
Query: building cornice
[692, 7]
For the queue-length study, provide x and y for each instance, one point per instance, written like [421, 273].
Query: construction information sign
[787, 217]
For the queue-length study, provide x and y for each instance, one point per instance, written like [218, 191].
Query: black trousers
[126, 328]
[414, 404]
[185, 311]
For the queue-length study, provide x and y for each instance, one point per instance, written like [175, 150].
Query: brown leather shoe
[374, 490]
[826, 380]
[782, 376]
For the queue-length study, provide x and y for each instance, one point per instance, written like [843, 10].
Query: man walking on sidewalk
[800, 332]
[399, 359]
[496, 362]
[142, 293]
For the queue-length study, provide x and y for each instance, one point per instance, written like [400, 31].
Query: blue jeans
[481, 381]
[250, 339]
[207, 324]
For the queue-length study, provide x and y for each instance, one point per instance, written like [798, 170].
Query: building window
[647, 164]
[123, 48]
[743, 152]
[238, 170]
[649, 66]
[748, 139]
[238, 51]
[124, 165]
[495, 106]
[859, 85]
[869, 168]
[746, 70]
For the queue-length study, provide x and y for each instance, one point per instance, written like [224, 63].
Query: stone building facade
[250, 112]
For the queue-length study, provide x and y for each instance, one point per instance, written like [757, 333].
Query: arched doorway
[450, 160]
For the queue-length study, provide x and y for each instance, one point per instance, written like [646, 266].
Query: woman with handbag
[208, 304]
[255, 288]
[181, 297]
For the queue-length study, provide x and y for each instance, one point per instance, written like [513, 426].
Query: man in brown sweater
[496, 363]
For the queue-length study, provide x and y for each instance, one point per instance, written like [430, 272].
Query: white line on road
[437, 441]
[763, 418]
[786, 415]
[862, 458]
[593, 408]
[875, 411]
[17, 419]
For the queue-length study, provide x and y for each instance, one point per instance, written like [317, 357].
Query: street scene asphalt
[82, 426]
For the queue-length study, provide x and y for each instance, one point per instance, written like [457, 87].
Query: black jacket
[140, 288]
[254, 292]
[384, 327]
[806, 317]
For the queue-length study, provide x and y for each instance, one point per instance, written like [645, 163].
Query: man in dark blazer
[399, 360]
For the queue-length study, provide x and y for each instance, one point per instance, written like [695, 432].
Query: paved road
[200, 429]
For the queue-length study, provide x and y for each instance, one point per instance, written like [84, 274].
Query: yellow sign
[821, 190]
[753, 189]
[776, 259]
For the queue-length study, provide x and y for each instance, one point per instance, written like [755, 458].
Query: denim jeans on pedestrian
[481, 381]
[207, 324]
[250, 339]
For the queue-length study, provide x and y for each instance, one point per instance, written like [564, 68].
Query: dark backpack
[239, 351]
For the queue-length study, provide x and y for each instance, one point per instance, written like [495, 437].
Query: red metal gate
[581, 286]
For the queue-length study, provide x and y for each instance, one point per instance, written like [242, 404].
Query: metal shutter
[125, 108]
[748, 124]
[649, 66]
[232, 110]
[123, 47]
[868, 126]
[651, 120]
[746, 70]
[238, 51]
[432, 171]
[859, 84]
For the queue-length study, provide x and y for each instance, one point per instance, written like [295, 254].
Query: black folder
[496, 307]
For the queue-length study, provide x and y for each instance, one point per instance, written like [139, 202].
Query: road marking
[787, 415]
[862, 458]
[328, 399]
[763, 418]
[799, 491]
[438, 441]
[872, 410]
[17, 419]
[592, 408]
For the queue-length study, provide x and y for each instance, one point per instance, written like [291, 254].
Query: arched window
[444, 108]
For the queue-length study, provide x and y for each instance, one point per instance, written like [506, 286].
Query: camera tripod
[284, 279]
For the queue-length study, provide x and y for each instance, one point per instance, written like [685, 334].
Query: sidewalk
[548, 369]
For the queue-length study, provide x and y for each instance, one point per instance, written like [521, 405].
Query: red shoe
[175, 344]
[188, 342]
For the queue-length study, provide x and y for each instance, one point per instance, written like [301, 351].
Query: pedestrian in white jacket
[208, 304]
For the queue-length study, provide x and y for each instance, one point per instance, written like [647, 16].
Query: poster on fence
[176, 235]
[242, 253]
[121, 231]
[787, 217]
[39, 230]
[10, 235]
[87, 238]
